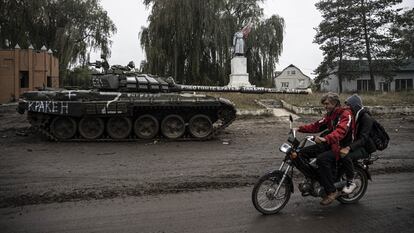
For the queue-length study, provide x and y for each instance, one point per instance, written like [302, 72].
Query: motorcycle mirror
[290, 118]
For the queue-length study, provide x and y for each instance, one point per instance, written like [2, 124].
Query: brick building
[25, 70]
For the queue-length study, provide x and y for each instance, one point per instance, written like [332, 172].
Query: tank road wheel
[173, 126]
[200, 126]
[146, 127]
[118, 127]
[91, 127]
[63, 127]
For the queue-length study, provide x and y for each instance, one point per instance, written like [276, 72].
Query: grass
[247, 101]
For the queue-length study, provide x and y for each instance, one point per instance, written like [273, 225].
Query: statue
[238, 43]
[238, 39]
[239, 76]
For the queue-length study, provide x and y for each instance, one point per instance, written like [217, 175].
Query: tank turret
[125, 79]
[127, 105]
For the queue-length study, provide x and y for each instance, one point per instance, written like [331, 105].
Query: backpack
[379, 136]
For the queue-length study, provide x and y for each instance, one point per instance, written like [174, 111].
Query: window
[291, 72]
[285, 84]
[362, 85]
[24, 79]
[49, 81]
[403, 84]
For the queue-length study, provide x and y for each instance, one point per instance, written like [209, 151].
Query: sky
[301, 17]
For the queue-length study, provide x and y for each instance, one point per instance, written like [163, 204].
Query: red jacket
[339, 126]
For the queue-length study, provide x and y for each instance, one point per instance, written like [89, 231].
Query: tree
[265, 46]
[375, 16]
[191, 39]
[403, 32]
[70, 28]
[361, 30]
[333, 35]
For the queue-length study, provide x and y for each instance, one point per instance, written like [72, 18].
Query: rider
[337, 122]
[362, 144]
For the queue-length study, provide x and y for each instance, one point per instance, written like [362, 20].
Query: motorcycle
[272, 191]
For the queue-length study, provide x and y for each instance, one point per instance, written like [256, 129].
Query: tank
[127, 105]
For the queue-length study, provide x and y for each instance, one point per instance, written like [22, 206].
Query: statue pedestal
[239, 76]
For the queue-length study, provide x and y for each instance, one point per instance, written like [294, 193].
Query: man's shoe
[349, 188]
[330, 198]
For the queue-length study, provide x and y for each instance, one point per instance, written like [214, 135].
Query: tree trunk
[340, 75]
[175, 61]
[368, 47]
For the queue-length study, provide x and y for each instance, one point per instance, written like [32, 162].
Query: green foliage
[357, 30]
[334, 38]
[70, 28]
[403, 32]
[191, 40]
[79, 78]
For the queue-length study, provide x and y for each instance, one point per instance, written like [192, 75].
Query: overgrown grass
[247, 101]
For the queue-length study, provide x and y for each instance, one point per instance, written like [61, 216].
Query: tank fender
[279, 173]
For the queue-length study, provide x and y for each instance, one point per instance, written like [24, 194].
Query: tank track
[226, 118]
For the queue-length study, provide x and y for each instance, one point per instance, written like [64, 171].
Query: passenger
[362, 144]
[337, 122]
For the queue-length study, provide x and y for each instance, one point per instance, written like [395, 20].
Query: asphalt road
[387, 207]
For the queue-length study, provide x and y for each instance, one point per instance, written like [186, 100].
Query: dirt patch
[34, 170]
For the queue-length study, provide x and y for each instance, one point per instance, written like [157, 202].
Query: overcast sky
[301, 17]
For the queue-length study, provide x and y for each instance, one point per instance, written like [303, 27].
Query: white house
[292, 78]
[403, 80]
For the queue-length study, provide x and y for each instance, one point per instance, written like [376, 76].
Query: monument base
[239, 80]
[239, 76]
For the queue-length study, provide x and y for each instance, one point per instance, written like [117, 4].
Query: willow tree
[70, 28]
[191, 40]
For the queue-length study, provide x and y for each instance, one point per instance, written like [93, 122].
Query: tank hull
[96, 116]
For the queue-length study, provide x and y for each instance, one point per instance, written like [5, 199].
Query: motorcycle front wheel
[264, 196]
[361, 181]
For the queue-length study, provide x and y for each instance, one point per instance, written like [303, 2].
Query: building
[402, 81]
[292, 78]
[25, 70]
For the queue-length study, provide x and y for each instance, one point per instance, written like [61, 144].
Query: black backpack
[379, 136]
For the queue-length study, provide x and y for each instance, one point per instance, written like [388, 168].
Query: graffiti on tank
[59, 107]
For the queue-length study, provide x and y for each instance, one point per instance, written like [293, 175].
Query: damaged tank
[127, 105]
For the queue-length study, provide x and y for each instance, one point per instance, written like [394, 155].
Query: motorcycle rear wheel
[361, 180]
[264, 198]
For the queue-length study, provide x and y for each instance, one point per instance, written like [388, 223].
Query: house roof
[362, 65]
[291, 65]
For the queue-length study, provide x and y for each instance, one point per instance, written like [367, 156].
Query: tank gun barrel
[253, 90]
[133, 82]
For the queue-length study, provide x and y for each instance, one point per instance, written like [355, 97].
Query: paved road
[387, 207]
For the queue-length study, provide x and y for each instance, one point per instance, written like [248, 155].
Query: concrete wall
[332, 83]
[39, 65]
[376, 110]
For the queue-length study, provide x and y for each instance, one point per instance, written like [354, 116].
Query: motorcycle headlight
[285, 147]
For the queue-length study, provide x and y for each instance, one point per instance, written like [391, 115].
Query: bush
[78, 78]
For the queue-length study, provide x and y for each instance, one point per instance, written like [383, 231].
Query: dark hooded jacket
[361, 126]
